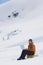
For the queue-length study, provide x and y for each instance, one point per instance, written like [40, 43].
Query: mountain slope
[15, 31]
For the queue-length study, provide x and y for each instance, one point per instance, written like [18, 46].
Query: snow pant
[26, 52]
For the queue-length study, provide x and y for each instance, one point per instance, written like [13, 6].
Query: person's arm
[34, 48]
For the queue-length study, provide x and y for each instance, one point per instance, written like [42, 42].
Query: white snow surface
[16, 31]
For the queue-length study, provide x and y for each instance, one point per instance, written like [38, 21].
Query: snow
[15, 32]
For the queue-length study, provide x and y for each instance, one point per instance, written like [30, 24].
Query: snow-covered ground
[15, 31]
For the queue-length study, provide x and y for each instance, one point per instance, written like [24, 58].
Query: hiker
[30, 51]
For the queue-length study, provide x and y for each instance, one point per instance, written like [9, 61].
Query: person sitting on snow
[30, 51]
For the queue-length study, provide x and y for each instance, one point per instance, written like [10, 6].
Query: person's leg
[31, 53]
[26, 52]
[23, 54]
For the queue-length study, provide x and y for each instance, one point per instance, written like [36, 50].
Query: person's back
[31, 47]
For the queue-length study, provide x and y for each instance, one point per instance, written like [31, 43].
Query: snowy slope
[26, 5]
[16, 31]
